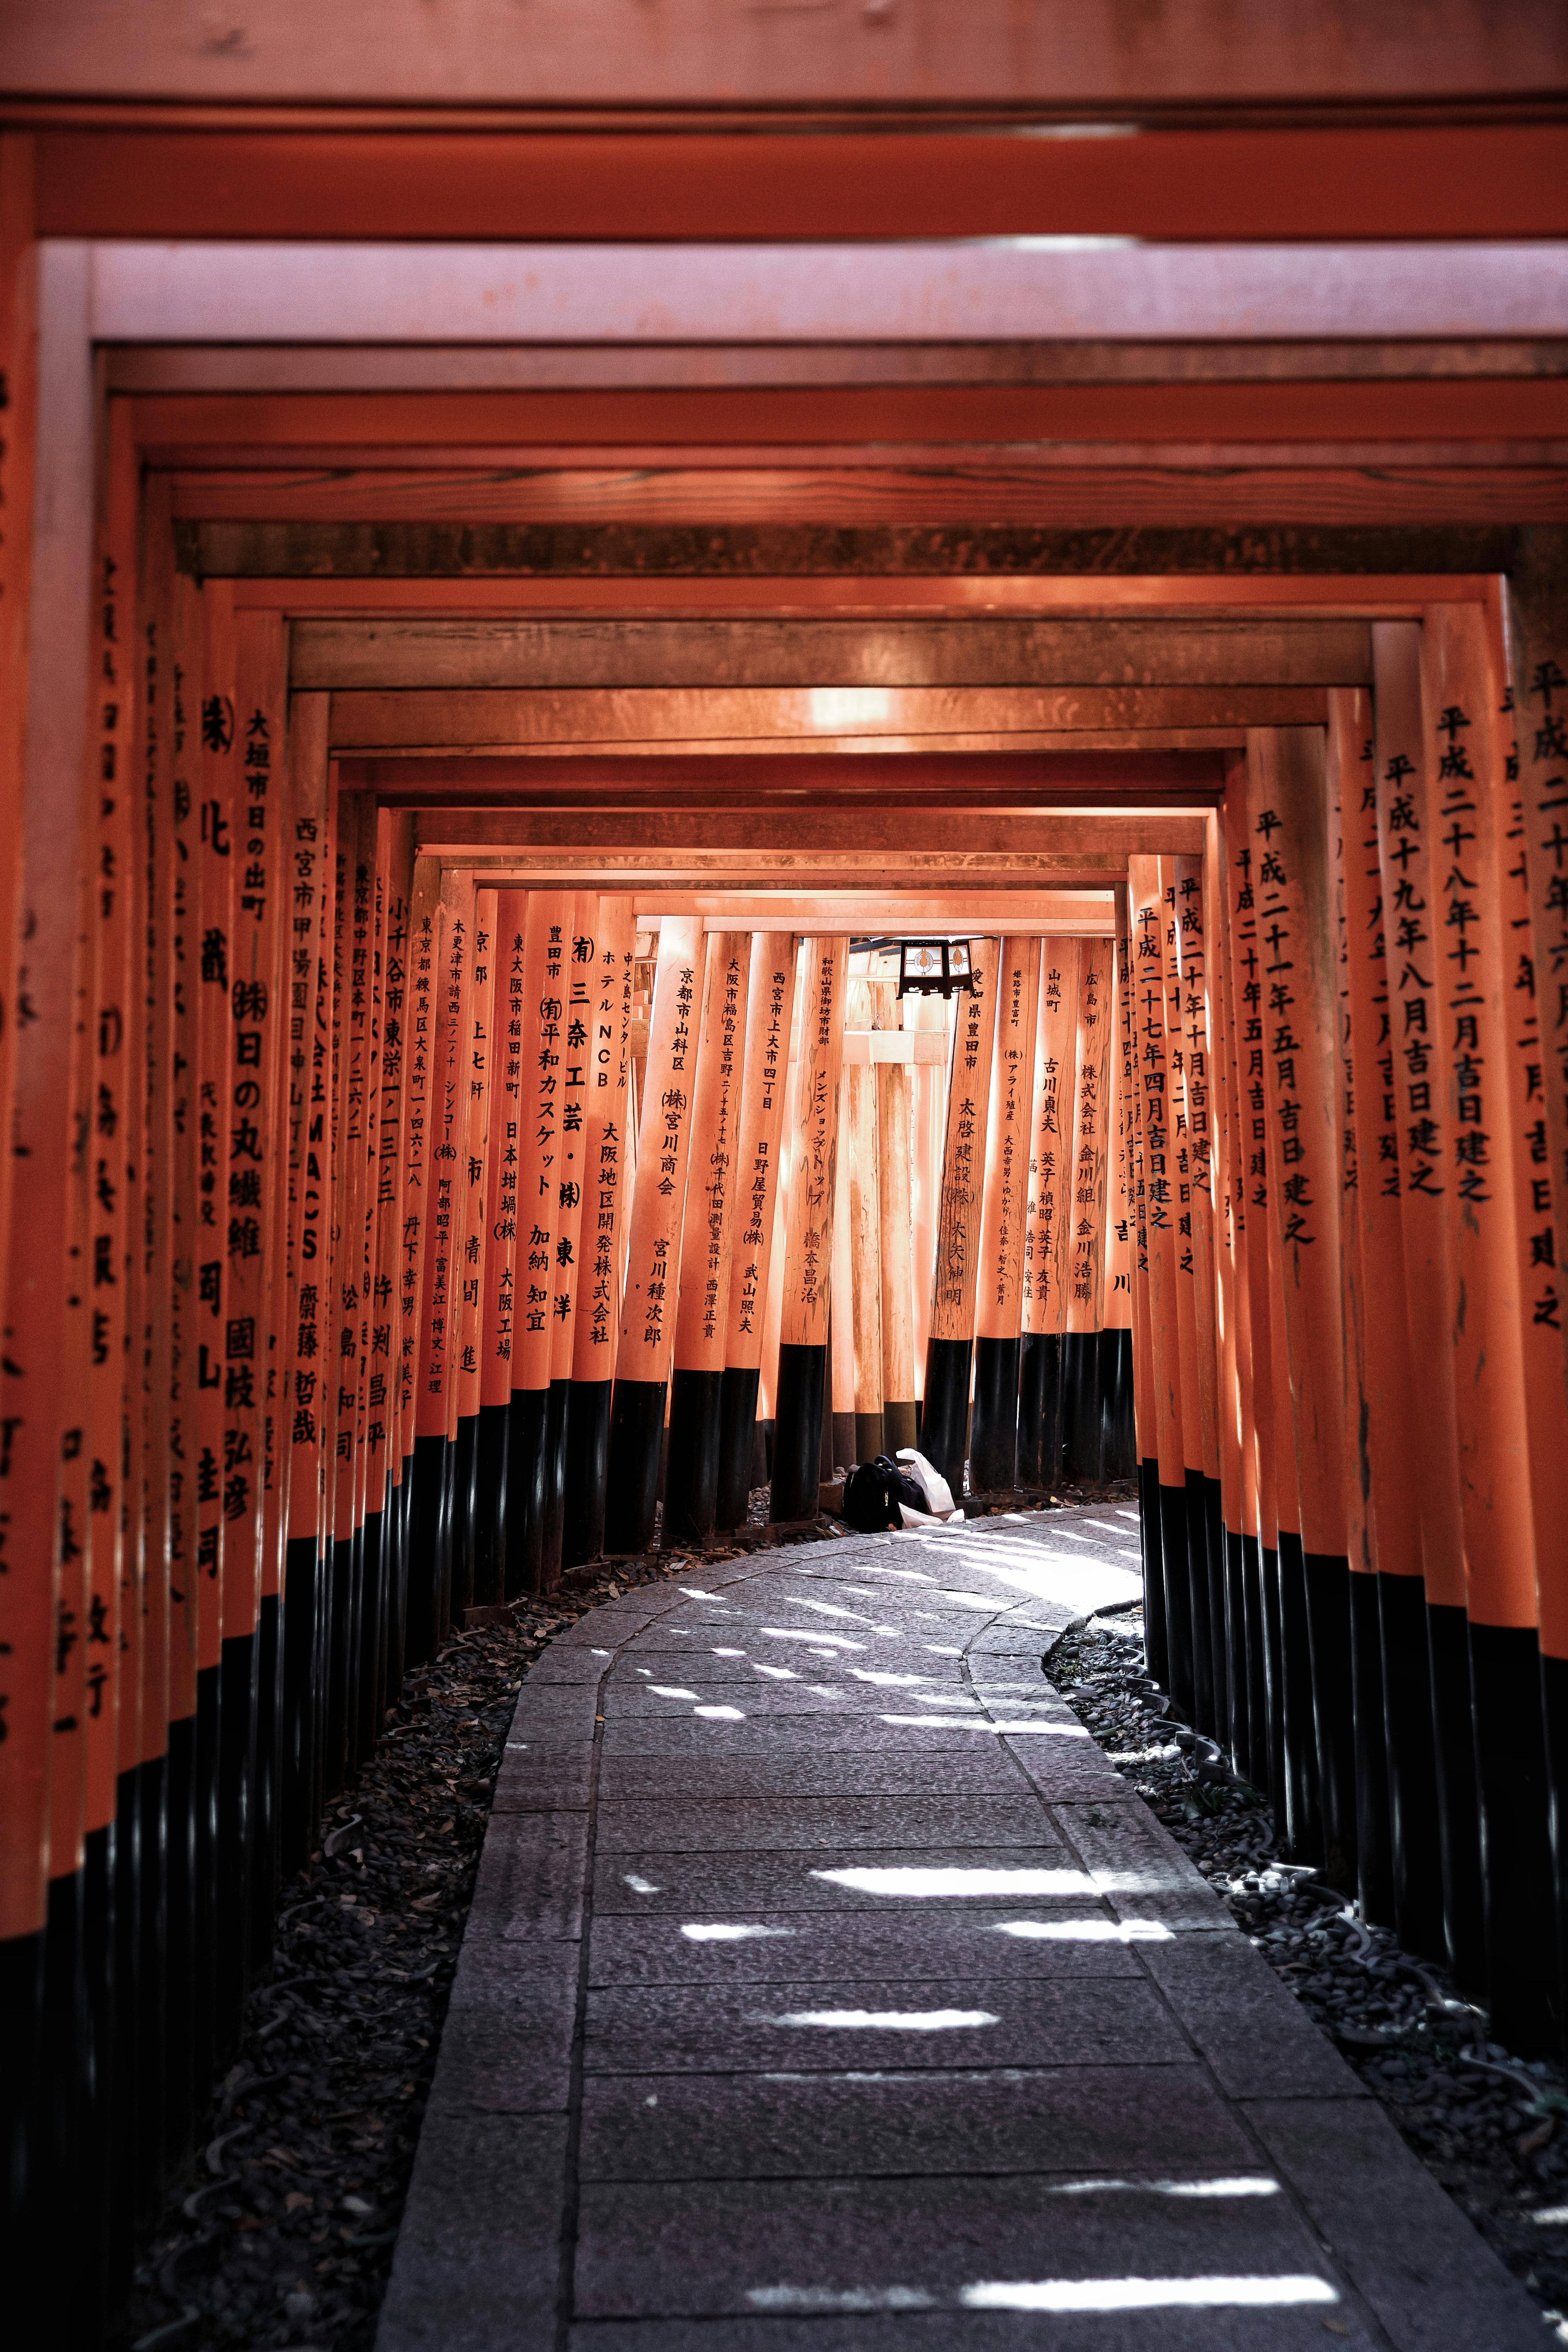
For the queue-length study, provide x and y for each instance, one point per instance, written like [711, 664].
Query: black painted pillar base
[870, 1437]
[1156, 1644]
[525, 1491]
[692, 1467]
[553, 1534]
[237, 1785]
[397, 1632]
[636, 1440]
[297, 1815]
[1303, 1809]
[208, 1781]
[151, 2133]
[1274, 1686]
[1119, 1443]
[1515, 1840]
[425, 1537]
[900, 1425]
[1219, 1620]
[1205, 1649]
[1172, 1505]
[1554, 1713]
[797, 1432]
[465, 1510]
[1458, 1821]
[338, 1566]
[1258, 1766]
[840, 1452]
[993, 1441]
[588, 1471]
[120, 1901]
[1238, 1693]
[1414, 1846]
[179, 2092]
[1039, 1409]
[265, 1841]
[355, 1552]
[32, 2311]
[1375, 1874]
[489, 1506]
[737, 1444]
[944, 1419]
[78, 1988]
[1080, 1408]
[372, 1678]
[1333, 1712]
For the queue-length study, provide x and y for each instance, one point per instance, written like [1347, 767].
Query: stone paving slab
[715, 2071]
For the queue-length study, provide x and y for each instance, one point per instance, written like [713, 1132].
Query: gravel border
[1487, 2126]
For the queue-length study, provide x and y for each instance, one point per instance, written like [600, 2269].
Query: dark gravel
[1489, 2126]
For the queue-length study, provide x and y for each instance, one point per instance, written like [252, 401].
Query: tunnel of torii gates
[460, 1087]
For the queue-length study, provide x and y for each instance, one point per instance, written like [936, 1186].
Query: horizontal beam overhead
[641, 783]
[487, 719]
[952, 837]
[515, 652]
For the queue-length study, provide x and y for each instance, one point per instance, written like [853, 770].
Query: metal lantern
[934, 967]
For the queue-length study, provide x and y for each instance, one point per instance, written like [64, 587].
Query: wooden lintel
[494, 652]
[671, 836]
[557, 718]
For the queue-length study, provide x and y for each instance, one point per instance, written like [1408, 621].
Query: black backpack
[873, 1491]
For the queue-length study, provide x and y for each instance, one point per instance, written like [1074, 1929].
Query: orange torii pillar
[691, 1466]
[1119, 1441]
[470, 1193]
[430, 1508]
[607, 1165]
[1474, 843]
[993, 1445]
[579, 957]
[1044, 1306]
[658, 1197]
[808, 1245]
[545, 932]
[944, 1417]
[507, 923]
[1424, 1127]
[1083, 1237]
[770, 1012]
[1298, 950]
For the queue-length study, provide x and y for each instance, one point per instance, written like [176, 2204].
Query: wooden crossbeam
[509, 652]
[682, 835]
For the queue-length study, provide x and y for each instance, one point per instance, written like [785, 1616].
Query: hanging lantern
[934, 967]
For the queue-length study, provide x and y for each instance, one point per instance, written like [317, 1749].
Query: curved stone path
[826, 1991]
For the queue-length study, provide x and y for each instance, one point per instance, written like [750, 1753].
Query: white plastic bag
[938, 1492]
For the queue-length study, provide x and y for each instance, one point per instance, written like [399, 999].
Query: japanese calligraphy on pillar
[1005, 1211]
[508, 1012]
[814, 1160]
[1048, 1216]
[606, 1151]
[308, 866]
[710, 1187]
[419, 1050]
[770, 1014]
[546, 942]
[581, 982]
[659, 1194]
[1091, 1116]
[957, 1268]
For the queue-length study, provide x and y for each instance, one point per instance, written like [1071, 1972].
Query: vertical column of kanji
[350, 955]
[1424, 1130]
[838, 1405]
[1200, 1548]
[1350, 716]
[1380, 1388]
[944, 1422]
[491, 1112]
[256, 1169]
[173, 1305]
[1296, 938]
[224, 1555]
[1238, 1479]
[606, 1173]
[1270, 1397]
[371, 1459]
[770, 1013]
[469, 1280]
[1462, 690]
[659, 1194]
[808, 1211]
[1193, 1111]
[1004, 1223]
[385, 1432]
[546, 939]
[468, 1253]
[1147, 881]
[772, 1298]
[696, 1376]
[579, 953]
[1044, 1305]
[1156, 1639]
[444, 1244]
[426, 1442]
[1081, 1444]
[928, 1104]
[503, 1145]
[342, 821]
[18, 373]
[305, 865]
[1537, 1205]
[1119, 1452]
[152, 1377]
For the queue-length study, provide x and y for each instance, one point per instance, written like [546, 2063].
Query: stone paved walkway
[826, 1991]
